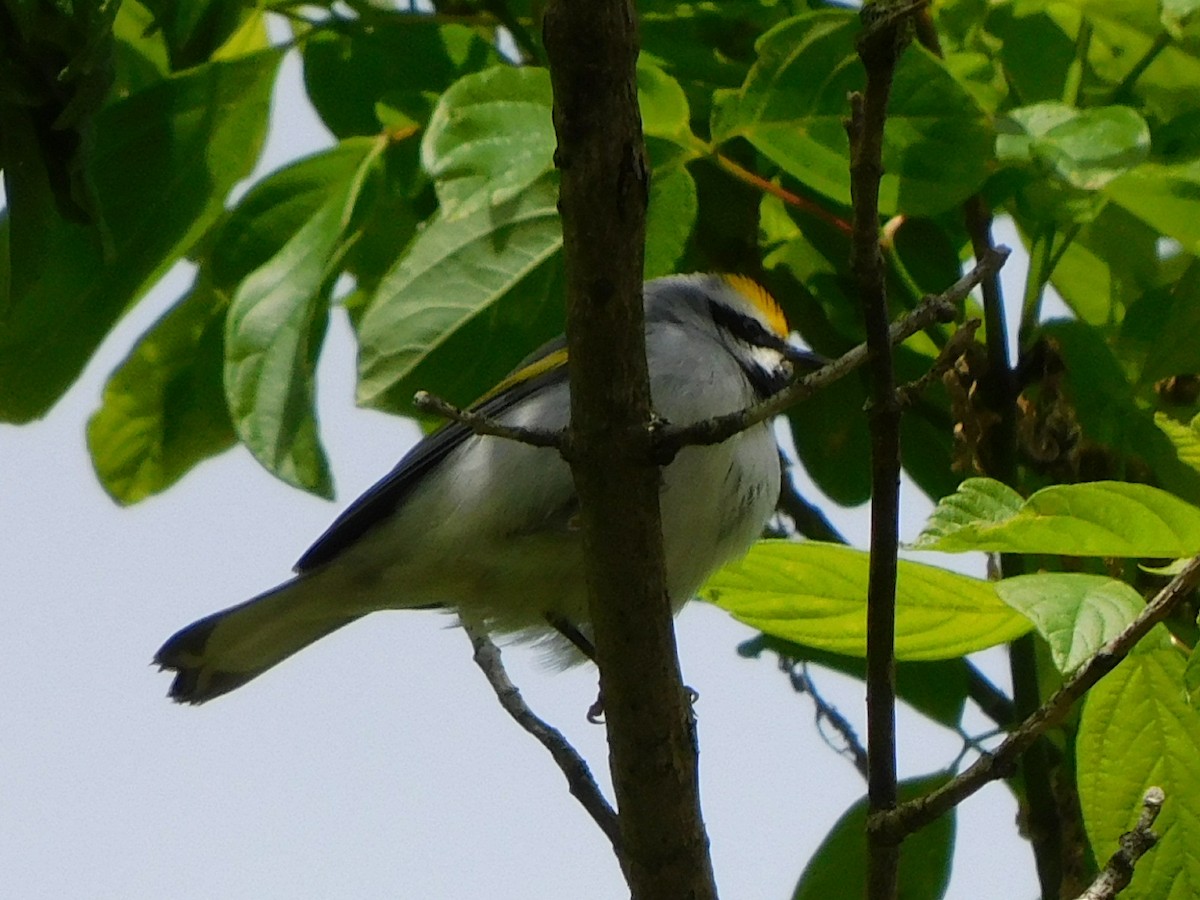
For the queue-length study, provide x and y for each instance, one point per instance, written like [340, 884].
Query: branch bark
[592, 49]
[1118, 872]
[579, 777]
[883, 38]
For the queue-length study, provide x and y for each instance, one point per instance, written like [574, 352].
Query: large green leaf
[463, 286]
[839, 867]
[670, 217]
[163, 409]
[401, 61]
[278, 206]
[815, 594]
[1164, 197]
[1102, 518]
[1085, 148]
[1137, 731]
[937, 144]
[489, 138]
[165, 159]
[273, 336]
[1076, 613]
[1111, 262]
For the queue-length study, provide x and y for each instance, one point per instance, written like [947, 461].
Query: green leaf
[165, 159]
[663, 104]
[1101, 518]
[1163, 323]
[1138, 730]
[273, 336]
[835, 447]
[489, 138]
[815, 594]
[278, 206]
[670, 217]
[1085, 148]
[1075, 613]
[1164, 197]
[839, 867]
[163, 409]
[1191, 679]
[1111, 262]
[937, 143]
[484, 280]
[1108, 410]
[194, 30]
[400, 61]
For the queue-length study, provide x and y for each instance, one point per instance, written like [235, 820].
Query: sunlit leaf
[1163, 196]
[1076, 613]
[1101, 518]
[489, 138]
[1086, 148]
[1139, 731]
[815, 594]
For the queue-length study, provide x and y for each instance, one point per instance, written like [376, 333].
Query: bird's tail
[225, 650]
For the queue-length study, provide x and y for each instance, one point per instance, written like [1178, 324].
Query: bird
[487, 527]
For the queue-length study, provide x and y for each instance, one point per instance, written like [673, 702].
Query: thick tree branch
[579, 777]
[918, 813]
[1117, 874]
[592, 49]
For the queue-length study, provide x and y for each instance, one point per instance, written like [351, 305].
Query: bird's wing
[544, 368]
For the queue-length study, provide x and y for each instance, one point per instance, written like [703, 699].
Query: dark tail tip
[184, 654]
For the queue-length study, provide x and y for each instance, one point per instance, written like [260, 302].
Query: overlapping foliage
[431, 220]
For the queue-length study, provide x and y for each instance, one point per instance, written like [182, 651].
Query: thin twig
[669, 439]
[917, 813]
[1117, 874]
[769, 187]
[579, 777]
[908, 394]
[481, 424]
[802, 683]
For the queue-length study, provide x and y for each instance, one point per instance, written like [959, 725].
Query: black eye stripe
[742, 326]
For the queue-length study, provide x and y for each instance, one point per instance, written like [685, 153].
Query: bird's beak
[802, 358]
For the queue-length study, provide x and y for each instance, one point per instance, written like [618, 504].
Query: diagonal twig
[915, 814]
[579, 777]
[1118, 872]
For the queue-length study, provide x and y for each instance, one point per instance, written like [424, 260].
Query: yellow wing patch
[547, 363]
[762, 300]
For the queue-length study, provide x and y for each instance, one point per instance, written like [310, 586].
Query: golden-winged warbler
[487, 527]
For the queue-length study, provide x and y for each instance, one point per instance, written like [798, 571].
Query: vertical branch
[884, 35]
[592, 48]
